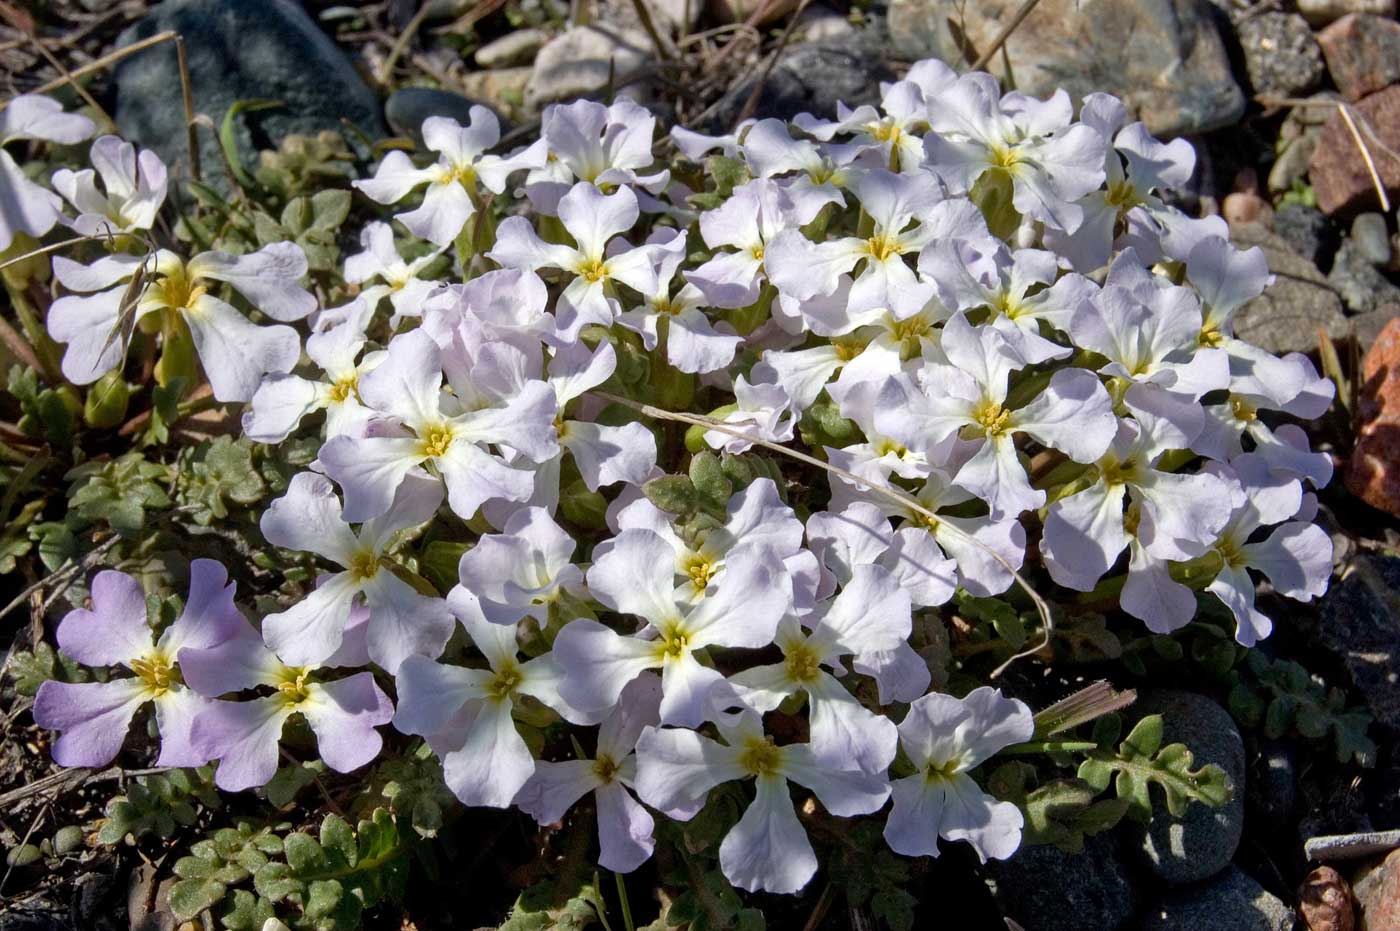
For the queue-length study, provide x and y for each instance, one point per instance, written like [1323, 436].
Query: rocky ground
[1295, 113]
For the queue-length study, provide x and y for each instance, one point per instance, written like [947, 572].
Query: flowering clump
[943, 360]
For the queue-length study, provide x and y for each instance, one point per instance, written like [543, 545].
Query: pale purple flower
[452, 197]
[25, 207]
[234, 351]
[945, 738]
[624, 826]
[133, 189]
[402, 621]
[761, 412]
[94, 716]
[637, 576]
[245, 736]
[768, 848]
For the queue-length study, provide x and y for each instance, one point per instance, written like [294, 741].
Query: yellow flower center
[465, 175]
[882, 247]
[802, 663]
[593, 271]
[992, 418]
[885, 131]
[504, 683]
[942, 772]
[1122, 195]
[1230, 551]
[1005, 157]
[1116, 472]
[1210, 336]
[911, 328]
[847, 348]
[605, 768]
[434, 441]
[1242, 409]
[761, 757]
[292, 688]
[177, 290]
[674, 643]
[364, 565]
[886, 446]
[756, 252]
[156, 672]
[343, 389]
[700, 570]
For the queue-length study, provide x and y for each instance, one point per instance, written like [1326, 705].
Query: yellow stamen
[156, 672]
[434, 441]
[292, 689]
[761, 757]
[802, 664]
[364, 565]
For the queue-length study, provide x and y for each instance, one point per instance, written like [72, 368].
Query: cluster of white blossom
[1071, 377]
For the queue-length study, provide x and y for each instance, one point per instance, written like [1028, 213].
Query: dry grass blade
[126, 311]
[903, 499]
[1349, 119]
[752, 103]
[71, 80]
[103, 62]
[664, 49]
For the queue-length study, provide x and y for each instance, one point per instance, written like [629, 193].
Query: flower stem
[626, 905]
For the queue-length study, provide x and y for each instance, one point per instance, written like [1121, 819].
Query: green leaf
[1141, 762]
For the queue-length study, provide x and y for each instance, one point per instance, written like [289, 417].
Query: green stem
[626, 905]
[44, 347]
[1051, 746]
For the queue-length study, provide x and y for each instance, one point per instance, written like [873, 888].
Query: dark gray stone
[1359, 623]
[1371, 238]
[406, 109]
[813, 78]
[1308, 232]
[238, 50]
[1204, 841]
[1046, 889]
[1165, 58]
[1361, 286]
[1231, 902]
[1280, 54]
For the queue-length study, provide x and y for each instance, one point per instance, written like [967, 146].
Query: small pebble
[513, 48]
[1324, 898]
[1244, 207]
[1372, 238]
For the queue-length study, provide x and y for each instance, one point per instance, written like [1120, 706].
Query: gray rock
[823, 24]
[1361, 286]
[1359, 623]
[1045, 889]
[1280, 54]
[515, 47]
[1308, 232]
[1366, 327]
[1203, 842]
[1371, 238]
[1331, 847]
[406, 109]
[812, 78]
[1322, 12]
[1165, 58]
[1286, 316]
[501, 89]
[1231, 902]
[581, 61]
[244, 50]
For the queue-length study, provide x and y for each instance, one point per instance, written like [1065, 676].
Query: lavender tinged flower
[94, 716]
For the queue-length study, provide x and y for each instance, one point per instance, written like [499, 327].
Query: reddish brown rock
[1244, 207]
[1362, 52]
[1377, 892]
[1373, 471]
[1324, 899]
[1337, 170]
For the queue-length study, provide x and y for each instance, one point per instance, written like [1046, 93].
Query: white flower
[519, 573]
[234, 351]
[624, 826]
[768, 849]
[451, 198]
[946, 737]
[692, 342]
[134, 189]
[402, 621]
[25, 207]
[602, 145]
[637, 576]
[400, 281]
[466, 714]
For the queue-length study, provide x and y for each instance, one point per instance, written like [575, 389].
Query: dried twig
[664, 49]
[63, 576]
[187, 92]
[902, 498]
[386, 70]
[58, 66]
[752, 103]
[1001, 37]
